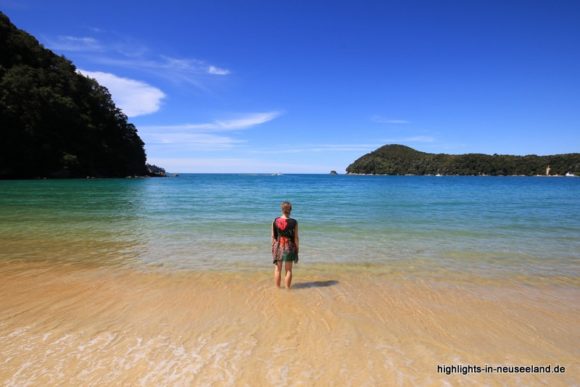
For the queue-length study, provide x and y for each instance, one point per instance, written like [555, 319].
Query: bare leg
[278, 273]
[288, 279]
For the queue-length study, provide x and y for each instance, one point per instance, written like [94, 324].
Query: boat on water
[570, 174]
[438, 175]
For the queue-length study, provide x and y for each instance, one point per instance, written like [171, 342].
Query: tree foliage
[402, 160]
[55, 122]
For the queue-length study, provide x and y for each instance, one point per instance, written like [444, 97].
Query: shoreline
[262, 174]
[118, 325]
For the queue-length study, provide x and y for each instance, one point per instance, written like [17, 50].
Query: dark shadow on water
[314, 284]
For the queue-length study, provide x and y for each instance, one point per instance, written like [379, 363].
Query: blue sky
[309, 86]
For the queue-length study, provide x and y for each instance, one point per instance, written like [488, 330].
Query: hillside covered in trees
[55, 122]
[402, 160]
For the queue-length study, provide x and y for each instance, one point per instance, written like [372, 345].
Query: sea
[420, 225]
[168, 281]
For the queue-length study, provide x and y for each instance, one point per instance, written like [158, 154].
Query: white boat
[570, 174]
[438, 175]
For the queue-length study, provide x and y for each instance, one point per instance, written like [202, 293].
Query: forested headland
[402, 160]
[55, 122]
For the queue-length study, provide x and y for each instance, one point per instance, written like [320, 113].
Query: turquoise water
[484, 226]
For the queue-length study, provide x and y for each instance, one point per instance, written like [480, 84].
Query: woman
[284, 244]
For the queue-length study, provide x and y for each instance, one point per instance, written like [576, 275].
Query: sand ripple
[95, 326]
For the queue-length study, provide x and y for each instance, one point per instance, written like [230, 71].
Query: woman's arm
[296, 239]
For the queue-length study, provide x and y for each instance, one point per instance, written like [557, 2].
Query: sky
[310, 86]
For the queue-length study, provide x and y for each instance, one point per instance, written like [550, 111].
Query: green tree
[55, 122]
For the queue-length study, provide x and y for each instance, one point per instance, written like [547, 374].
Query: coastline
[125, 325]
[454, 175]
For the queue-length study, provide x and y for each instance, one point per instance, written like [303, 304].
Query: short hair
[286, 207]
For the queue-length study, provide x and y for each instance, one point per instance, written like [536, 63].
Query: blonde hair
[286, 208]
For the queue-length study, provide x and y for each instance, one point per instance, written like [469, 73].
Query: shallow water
[168, 281]
[93, 326]
[483, 225]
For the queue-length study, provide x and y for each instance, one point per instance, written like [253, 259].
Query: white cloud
[201, 136]
[125, 52]
[320, 148]
[188, 141]
[362, 148]
[75, 44]
[133, 97]
[383, 120]
[217, 70]
[243, 122]
[176, 70]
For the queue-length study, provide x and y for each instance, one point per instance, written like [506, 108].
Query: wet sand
[100, 325]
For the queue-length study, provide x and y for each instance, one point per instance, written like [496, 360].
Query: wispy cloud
[125, 52]
[202, 136]
[95, 29]
[75, 44]
[243, 122]
[179, 142]
[217, 70]
[333, 148]
[91, 47]
[383, 120]
[192, 72]
[134, 98]
[320, 148]
[408, 139]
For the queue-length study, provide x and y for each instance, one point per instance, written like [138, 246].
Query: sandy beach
[92, 326]
[419, 161]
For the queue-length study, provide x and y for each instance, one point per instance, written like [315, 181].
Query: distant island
[55, 122]
[402, 160]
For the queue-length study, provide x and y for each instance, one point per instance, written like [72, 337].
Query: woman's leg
[278, 273]
[288, 279]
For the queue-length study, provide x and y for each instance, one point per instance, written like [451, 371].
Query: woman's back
[284, 244]
[284, 227]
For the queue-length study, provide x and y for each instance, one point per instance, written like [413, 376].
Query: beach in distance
[402, 280]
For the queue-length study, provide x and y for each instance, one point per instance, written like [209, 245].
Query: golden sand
[95, 326]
